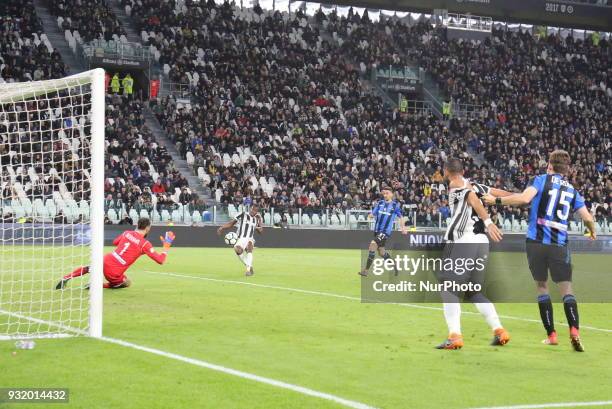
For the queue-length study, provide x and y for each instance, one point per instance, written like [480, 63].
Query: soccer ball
[231, 238]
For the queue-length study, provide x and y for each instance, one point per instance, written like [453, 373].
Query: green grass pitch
[378, 354]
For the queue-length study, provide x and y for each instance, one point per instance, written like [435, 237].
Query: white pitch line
[554, 405]
[348, 297]
[245, 375]
[261, 379]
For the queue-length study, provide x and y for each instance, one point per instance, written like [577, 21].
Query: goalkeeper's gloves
[167, 239]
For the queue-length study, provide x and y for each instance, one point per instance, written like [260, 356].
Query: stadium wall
[206, 236]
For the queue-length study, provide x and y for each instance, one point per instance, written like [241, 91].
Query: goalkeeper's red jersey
[130, 246]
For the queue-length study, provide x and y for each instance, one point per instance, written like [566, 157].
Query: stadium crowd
[140, 174]
[330, 157]
[280, 114]
[91, 19]
[25, 52]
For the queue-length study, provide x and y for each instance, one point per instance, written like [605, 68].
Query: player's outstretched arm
[117, 240]
[499, 192]
[494, 233]
[226, 226]
[167, 241]
[588, 220]
[515, 199]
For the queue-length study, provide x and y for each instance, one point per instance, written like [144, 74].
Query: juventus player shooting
[247, 223]
[466, 237]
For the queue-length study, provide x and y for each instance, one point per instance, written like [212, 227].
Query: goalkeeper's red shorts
[114, 275]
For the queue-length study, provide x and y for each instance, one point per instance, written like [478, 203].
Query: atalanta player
[130, 245]
[384, 213]
[553, 200]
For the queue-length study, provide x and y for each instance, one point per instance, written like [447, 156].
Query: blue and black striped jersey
[385, 214]
[551, 208]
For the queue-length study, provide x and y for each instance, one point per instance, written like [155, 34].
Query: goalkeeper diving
[130, 245]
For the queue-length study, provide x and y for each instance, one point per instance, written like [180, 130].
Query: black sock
[546, 313]
[387, 256]
[571, 310]
[371, 256]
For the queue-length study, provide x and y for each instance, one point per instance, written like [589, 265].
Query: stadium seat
[335, 220]
[133, 215]
[306, 219]
[190, 159]
[177, 216]
[18, 211]
[316, 219]
[27, 206]
[144, 213]
[507, 225]
[266, 218]
[112, 215]
[277, 217]
[196, 217]
[231, 211]
[207, 216]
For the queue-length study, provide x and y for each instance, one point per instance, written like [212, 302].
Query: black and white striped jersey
[463, 218]
[246, 225]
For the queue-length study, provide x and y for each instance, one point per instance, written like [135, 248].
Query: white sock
[248, 260]
[242, 256]
[452, 314]
[487, 309]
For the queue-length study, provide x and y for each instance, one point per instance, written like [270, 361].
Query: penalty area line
[245, 375]
[553, 405]
[203, 364]
[347, 297]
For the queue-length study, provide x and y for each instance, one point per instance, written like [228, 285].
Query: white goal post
[51, 206]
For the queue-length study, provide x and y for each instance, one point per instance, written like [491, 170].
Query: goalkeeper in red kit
[130, 246]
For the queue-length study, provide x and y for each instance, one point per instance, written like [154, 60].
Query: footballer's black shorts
[545, 257]
[380, 239]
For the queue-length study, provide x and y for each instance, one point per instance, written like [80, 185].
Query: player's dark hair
[386, 187]
[454, 165]
[143, 223]
[560, 161]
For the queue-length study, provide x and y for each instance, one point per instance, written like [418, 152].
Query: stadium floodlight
[52, 205]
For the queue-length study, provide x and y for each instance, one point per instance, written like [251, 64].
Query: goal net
[52, 206]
